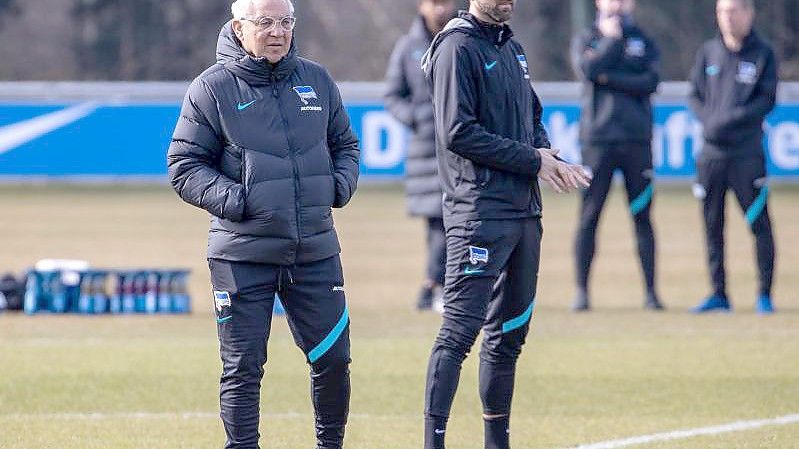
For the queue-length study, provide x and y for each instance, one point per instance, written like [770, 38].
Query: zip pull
[291, 277]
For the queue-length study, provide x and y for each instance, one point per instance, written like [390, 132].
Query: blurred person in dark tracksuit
[734, 87]
[618, 64]
[409, 101]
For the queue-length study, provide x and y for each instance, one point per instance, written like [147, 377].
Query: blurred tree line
[175, 39]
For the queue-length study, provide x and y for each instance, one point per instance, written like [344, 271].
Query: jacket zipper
[295, 169]
[535, 191]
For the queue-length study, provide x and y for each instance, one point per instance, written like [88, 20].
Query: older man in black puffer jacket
[263, 143]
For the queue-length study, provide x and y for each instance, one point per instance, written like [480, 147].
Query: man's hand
[561, 176]
[610, 26]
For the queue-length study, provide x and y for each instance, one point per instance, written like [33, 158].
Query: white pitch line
[737, 426]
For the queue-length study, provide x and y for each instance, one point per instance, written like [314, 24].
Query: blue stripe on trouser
[639, 204]
[519, 321]
[331, 339]
[754, 211]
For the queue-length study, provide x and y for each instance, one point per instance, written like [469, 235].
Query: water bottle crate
[92, 291]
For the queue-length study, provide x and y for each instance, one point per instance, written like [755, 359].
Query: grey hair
[240, 8]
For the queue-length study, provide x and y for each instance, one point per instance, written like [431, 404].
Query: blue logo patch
[221, 299]
[245, 105]
[747, 73]
[635, 47]
[712, 70]
[477, 255]
[490, 66]
[306, 93]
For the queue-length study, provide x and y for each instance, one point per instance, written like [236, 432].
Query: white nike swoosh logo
[20, 133]
[439, 432]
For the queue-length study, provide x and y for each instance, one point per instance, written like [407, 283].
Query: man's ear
[237, 28]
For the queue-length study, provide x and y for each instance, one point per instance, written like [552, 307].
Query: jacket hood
[256, 71]
[459, 24]
[466, 23]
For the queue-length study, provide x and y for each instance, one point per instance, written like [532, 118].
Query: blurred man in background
[492, 149]
[264, 144]
[618, 63]
[734, 87]
[408, 100]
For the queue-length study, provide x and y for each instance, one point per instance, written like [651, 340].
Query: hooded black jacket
[732, 93]
[618, 109]
[408, 99]
[488, 122]
[267, 150]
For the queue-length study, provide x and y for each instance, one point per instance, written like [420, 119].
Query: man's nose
[277, 31]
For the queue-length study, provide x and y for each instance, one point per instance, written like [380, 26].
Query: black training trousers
[492, 274]
[313, 296]
[635, 163]
[746, 176]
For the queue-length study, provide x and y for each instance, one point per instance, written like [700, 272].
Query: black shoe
[581, 302]
[653, 303]
[425, 301]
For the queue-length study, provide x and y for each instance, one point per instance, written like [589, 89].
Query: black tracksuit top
[619, 109]
[732, 93]
[488, 122]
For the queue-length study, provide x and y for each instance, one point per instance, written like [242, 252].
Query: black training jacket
[408, 99]
[488, 122]
[267, 150]
[732, 93]
[619, 77]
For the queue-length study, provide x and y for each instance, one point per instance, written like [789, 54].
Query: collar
[498, 35]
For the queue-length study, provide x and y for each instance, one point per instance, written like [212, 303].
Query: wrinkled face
[272, 43]
[499, 10]
[735, 18]
[609, 8]
[437, 13]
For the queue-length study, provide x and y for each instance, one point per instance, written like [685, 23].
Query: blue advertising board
[130, 140]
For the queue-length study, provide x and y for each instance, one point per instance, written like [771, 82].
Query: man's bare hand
[610, 26]
[561, 176]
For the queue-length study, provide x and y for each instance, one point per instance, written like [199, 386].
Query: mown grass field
[132, 382]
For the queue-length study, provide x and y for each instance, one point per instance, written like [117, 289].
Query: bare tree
[176, 39]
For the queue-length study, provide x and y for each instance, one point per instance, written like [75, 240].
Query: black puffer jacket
[409, 101]
[267, 150]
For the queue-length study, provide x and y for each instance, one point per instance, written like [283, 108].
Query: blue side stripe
[754, 211]
[331, 339]
[519, 321]
[639, 204]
